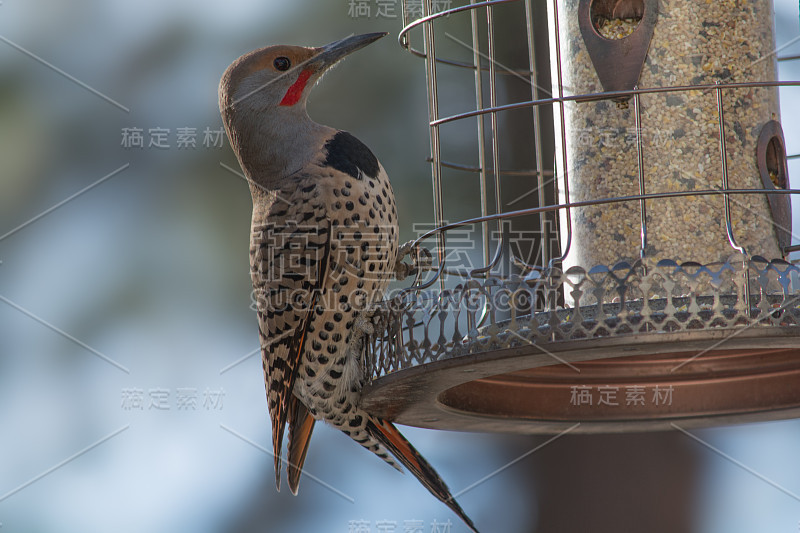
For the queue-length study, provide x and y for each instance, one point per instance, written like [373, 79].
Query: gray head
[263, 96]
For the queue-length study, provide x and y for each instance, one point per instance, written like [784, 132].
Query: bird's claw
[421, 258]
[363, 323]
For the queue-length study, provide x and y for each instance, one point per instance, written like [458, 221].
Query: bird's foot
[421, 260]
[363, 323]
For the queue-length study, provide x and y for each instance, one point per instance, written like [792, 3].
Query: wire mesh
[491, 179]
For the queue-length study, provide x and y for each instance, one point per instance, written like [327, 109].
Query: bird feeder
[669, 295]
[697, 126]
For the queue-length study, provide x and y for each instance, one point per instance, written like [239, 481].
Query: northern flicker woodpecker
[324, 245]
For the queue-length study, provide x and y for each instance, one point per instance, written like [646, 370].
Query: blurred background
[131, 391]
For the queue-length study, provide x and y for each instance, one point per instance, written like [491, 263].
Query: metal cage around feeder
[658, 287]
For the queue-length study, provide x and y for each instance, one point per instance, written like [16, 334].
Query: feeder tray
[693, 360]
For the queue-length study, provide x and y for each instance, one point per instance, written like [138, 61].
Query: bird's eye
[282, 63]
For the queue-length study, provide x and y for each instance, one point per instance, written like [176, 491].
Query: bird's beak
[330, 54]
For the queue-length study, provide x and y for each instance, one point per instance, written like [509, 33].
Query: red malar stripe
[295, 92]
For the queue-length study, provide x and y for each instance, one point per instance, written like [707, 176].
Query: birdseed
[694, 43]
[617, 28]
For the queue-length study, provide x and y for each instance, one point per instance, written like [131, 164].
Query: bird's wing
[394, 441]
[301, 424]
[289, 266]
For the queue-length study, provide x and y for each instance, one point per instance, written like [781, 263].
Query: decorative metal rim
[514, 389]
[733, 355]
